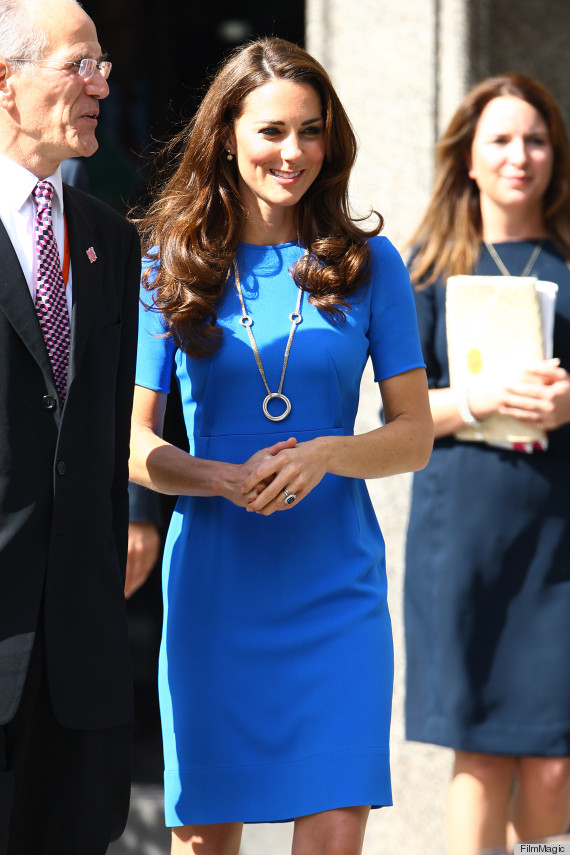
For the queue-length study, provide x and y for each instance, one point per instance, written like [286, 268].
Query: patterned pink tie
[51, 304]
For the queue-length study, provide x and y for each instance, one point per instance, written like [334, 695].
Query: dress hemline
[277, 793]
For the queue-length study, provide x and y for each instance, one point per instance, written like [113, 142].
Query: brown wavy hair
[194, 224]
[450, 233]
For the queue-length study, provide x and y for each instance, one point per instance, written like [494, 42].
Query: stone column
[382, 59]
[399, 69]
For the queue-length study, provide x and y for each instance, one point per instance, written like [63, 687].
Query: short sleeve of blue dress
[156, 350]
[393, 333]
[276, 661]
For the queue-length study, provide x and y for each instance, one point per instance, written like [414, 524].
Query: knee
[215, 839]
[546, 779]
[334, 832]
[490, 770]
[340, 846]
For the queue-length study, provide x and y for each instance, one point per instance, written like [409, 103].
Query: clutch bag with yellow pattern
[494, 328]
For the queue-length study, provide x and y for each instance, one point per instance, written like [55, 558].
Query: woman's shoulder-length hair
[448, 237]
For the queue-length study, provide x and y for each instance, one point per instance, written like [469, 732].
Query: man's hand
[144, 546]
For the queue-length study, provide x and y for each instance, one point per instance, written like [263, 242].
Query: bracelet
[462, 401]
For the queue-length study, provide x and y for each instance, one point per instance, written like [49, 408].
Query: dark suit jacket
[73, 172]
[144, 505]
[63, 475]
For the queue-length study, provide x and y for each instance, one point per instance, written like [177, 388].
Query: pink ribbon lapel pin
[91, 254]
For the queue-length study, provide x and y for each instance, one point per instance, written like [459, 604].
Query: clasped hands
[297, 468]
[539, 395]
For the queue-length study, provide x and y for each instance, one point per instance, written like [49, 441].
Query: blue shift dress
[276, 662]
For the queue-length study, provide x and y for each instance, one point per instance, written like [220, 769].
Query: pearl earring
[229, 155]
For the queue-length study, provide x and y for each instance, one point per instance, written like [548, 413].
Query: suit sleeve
[124, 395]
[144, 505]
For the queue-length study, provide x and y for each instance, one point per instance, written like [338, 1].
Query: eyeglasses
[85, 67]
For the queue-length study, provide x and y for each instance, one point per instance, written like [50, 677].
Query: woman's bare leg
[332, 832]
[478, 802]
[541, 802]
[222, 838]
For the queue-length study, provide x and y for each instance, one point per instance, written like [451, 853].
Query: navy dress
[276, 660]
[487, 588]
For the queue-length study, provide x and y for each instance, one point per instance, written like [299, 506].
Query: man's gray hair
[19, 34]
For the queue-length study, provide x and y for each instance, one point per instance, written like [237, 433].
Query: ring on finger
[289, 497]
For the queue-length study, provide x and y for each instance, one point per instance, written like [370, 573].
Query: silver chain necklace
[503, 267]
[246, 321]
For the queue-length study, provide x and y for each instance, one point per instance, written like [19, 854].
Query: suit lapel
[16, 302]
[18, 306]
[87, 276]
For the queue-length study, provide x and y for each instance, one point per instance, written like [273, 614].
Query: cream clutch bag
[494, 326]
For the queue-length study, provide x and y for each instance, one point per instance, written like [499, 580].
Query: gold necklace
[503, 267]
[246, 321]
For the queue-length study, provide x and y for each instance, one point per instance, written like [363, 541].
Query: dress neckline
[262, 246]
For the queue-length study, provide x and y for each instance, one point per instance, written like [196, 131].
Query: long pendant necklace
[503, 267]
[246, 321]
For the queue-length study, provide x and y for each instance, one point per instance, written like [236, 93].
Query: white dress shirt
[18, 212]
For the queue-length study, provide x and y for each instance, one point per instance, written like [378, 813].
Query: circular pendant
[281, 397]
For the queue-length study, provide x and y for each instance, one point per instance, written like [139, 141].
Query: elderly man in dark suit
[69, 271]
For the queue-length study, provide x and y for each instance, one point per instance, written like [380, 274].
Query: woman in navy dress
[267, 298]
[487, 591]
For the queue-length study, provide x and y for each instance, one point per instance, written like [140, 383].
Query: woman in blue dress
[276, 658]
[487, 590]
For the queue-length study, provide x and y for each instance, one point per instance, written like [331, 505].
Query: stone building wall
[532, 36]
[400, 69]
